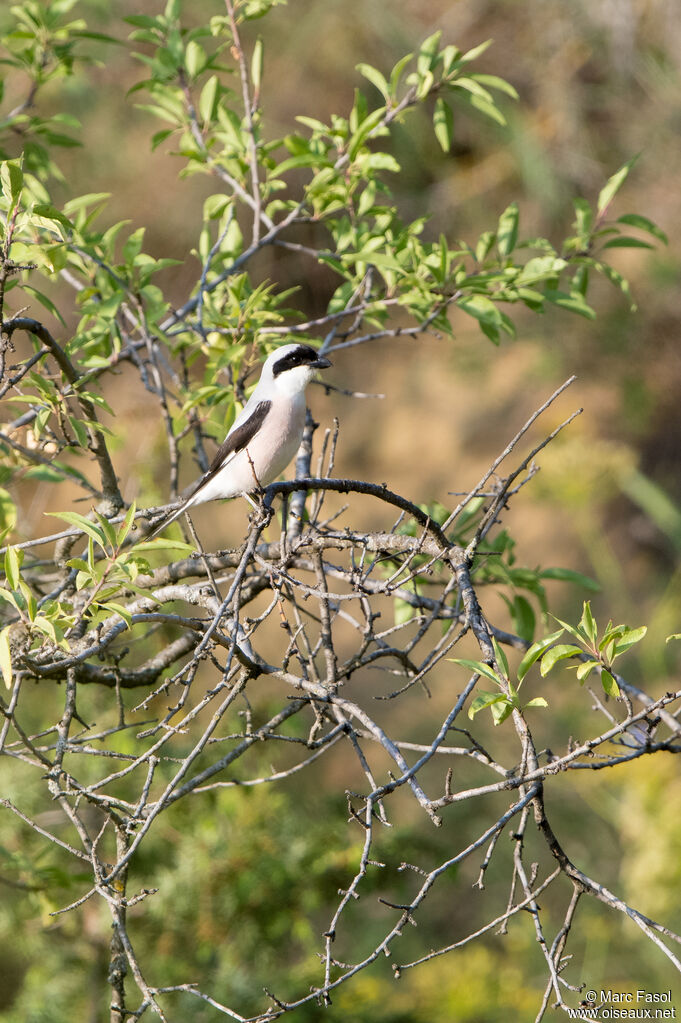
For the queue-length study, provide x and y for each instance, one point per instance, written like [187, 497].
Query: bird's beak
[321, 363]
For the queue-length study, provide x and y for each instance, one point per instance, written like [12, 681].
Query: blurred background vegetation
[599, 80]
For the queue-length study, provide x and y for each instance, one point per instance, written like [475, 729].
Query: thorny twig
[343, 570]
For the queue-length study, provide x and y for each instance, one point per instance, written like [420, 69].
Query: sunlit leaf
[443, 124]
[537, 701]
[6, 656]
[478, 668]
[74, 519]
[558, 653]
[609, 684]
[13, 562]
[483, 700]
[613, 185]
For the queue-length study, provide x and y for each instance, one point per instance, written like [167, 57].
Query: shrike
[265, 436]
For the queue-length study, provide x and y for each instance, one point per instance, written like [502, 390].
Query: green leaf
[376, 78]
[636, 220]
[381, 260]
[613, 185]
[491, 331]
[49, 212]
[133, 245]
[577, 633]
[6, 656]
[537, 701]
[588, 622]
[481, 308]
[108, 530]
[78, 563]
[194, 58]
[449, 58]
[49, 628]
[91, 555]
[585, 669]
[118, 609]
[478, 668]
[258, 8]
[560, 652]
[483, 700]
[8, 512]
[80, 431]
[12, 179]
[501, 658]
[539, 268]
[143, 21]
[524, 621]
[84, 579]
[484, 245]
[312, 123]
[9, 598]
[443, 124]
[629, 638]
[624, 241]
[470, 85]
[398, 71]
[101, 37]
[74, 519]
[31, 604]
[160, 136]
[257, 64]
[483, 105]
[617, 280]
[206, 100]
[507, 230]
[500, 711]
[13, 561]
[495, 82]
[476, 52]
[568, 575]
[583, 219]
[160, 543]
[126, 525]
[574, 302]
[609, 684]
[45, 301]
[428, 52]
[377, 161]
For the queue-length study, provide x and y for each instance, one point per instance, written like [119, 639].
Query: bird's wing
[236, 440]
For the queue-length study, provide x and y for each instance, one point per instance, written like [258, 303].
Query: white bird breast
[265, 457]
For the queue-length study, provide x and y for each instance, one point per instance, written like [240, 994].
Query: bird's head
[290, 368]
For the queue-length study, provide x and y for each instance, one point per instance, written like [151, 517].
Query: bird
[265, 436]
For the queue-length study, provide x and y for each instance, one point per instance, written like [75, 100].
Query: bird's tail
[190, 496]
[167, 521]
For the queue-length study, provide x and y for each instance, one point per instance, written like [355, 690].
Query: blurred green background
[244, 906]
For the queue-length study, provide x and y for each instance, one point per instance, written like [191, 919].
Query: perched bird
[265, 436]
